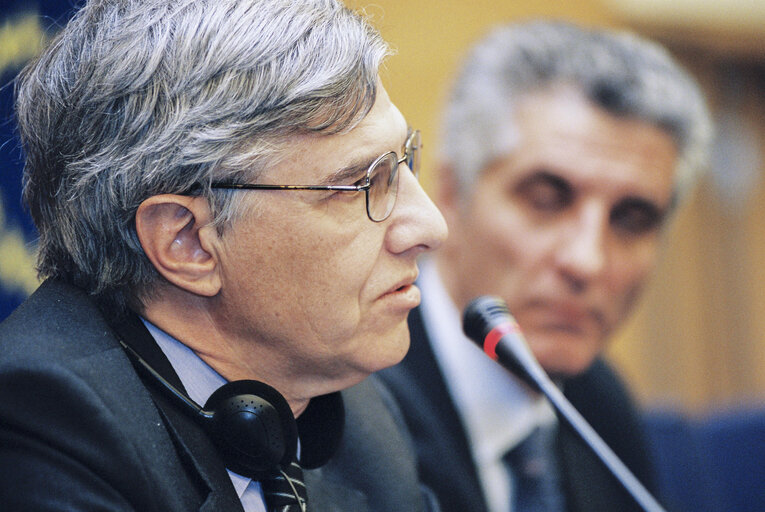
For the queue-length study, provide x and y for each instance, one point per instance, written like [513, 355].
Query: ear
[178, 238]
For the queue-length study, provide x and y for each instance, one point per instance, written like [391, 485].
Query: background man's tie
[535, 473]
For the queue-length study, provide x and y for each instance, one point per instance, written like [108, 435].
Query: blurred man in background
[565, 151]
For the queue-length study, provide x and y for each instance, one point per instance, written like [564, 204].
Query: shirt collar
[497, 411]
[199, 379]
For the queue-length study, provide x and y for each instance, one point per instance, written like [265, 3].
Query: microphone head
[488, 322]
[482, 315]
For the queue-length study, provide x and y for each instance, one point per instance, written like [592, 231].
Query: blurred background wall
[697, 341]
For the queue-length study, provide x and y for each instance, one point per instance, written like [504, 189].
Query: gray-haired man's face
[311, 279]
[567, 228]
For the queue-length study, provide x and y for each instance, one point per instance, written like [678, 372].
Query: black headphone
[249, 422]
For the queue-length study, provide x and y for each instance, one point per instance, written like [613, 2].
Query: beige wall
[429, 37]
[696, 342]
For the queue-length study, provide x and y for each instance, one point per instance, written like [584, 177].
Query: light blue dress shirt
[200, 382]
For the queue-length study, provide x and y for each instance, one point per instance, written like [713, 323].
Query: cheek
[505, 249]
[329, 283]
[632, 269]
[308, 281]
[481, 252]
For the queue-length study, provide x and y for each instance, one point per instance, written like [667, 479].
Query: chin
[564, 360]
[360, 370]
[566, 365]
[393, 356]
[391, 351]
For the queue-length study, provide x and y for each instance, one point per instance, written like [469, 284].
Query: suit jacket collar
[194, 446]
[587, 484]
[325, 492]
[321, 425]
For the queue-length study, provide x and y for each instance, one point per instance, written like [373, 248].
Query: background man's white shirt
[497, 411]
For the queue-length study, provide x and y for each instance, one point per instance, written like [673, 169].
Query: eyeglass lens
[413, 152]
[383, 187]
[383, 179]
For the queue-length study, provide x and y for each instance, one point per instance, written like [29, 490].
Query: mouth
[405, 284]
[401, 288]
[404, 295]
[568, 318]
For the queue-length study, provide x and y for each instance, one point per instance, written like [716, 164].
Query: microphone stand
[488, 322]
[532, 373]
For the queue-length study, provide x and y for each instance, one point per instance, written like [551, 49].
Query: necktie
[282, 490]
[535, 473]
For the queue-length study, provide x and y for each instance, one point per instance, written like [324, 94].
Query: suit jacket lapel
[325, 493]
[449, 440]
[193, 445]
[587, 484]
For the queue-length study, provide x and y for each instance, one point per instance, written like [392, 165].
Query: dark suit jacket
[80, 429]
[447, 466]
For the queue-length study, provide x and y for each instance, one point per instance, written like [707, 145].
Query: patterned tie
[535, 473]
[283, 489]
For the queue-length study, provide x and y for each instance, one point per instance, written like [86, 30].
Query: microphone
[490, 325]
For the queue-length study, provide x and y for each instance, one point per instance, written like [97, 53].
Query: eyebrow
[349, 174]
[354, 171]
[662, 210]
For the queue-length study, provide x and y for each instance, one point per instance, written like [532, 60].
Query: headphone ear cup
[253, 427]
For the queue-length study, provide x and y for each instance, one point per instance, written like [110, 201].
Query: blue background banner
[24, 29]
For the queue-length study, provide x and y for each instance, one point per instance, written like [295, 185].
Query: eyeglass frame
[410, 150]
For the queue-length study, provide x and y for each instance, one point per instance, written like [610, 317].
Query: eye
[361, 181]
[353, 175]
[635, 216]
[545, 192]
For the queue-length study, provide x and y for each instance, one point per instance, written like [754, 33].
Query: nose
[581, 254]
[416, 224]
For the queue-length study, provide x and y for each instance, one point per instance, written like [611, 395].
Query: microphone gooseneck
[487, 321]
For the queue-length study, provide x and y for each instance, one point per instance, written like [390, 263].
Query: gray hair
[136, 98]
[618, 71]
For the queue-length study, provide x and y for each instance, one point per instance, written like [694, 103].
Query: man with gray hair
[564, 153]
[229, 222]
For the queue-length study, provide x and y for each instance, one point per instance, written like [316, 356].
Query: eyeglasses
[380, 185]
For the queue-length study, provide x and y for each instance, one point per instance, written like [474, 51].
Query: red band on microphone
[492, 339]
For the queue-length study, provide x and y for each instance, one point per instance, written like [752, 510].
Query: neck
[236, 359]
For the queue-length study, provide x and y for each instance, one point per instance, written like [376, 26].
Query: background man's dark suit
[447, 466]
[80, 431]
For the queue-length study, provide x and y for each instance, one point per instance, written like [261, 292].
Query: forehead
[315, 158]
[562, 132]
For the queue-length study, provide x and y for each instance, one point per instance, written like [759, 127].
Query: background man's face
[566, 229]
